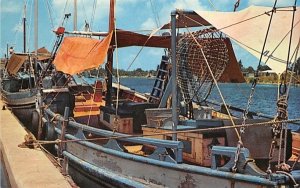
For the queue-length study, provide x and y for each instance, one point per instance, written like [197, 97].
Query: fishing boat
[187, 143]
[18, 84]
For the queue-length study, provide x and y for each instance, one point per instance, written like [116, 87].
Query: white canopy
[249, 27]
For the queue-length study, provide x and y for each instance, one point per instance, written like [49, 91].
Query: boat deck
[25, 167]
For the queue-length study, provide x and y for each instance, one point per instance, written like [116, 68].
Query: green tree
[241, 64]
[263, 68]
[250, 69]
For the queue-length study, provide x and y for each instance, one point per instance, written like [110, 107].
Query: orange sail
[78, 54]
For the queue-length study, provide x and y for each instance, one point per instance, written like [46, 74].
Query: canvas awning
[249, 27]
[78, 54]
[128, 38]
[15, 63]
[17, 60]
[43, 54]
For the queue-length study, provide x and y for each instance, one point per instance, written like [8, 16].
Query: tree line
[137, 72]
[250, 69]
[144, 73]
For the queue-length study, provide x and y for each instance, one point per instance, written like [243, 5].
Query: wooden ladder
[161, 81]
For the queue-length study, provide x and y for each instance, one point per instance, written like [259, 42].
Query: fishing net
[194, 78]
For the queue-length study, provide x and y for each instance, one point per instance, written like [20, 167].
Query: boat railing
[237, 109]
[167, 150]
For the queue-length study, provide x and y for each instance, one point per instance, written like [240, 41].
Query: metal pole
[62, 138]
[7, 53]
[174, 85]
[75, 15]
[24, 29]
[36, 37]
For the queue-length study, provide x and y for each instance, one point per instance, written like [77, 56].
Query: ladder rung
[157, 98]
[157, 88]
[165, 61]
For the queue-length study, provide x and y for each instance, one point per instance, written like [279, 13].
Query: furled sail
[249, 27]
[78, 54]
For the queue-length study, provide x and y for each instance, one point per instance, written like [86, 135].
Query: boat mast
[24, 28]
[36, 27]
[109, 64]
[75, 16]
[36, 37]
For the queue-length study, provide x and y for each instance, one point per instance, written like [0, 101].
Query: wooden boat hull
[21, 103]
[91, 163]
[106, 164]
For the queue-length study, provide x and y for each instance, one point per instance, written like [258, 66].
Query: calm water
[264, 100]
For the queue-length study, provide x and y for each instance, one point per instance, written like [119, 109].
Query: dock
[26, 168]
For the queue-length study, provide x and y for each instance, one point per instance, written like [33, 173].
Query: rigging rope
[93, 14]
[157, 21]
[236, 5]
[84, 10]
[156, 17]
[49, 13]
[64, 12]
[137, 54]
[290, 42]
[212, 5]
[215, 82]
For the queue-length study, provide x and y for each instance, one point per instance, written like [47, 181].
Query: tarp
[248, 27]
[17, 60]
[232, 72]
[250, 31]
[128, 38]
[78, 54]
[43, 54]
[15, 63]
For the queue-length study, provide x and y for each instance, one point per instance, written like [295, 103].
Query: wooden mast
[36, 26]
[109, 64]
[75, 16]
[24, 29]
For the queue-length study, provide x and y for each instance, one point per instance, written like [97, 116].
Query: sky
[133, 15]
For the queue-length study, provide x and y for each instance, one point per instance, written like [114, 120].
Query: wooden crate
[122, 125]
[200, 145]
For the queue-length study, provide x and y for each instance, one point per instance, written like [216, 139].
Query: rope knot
[282, 105]
[29, 142]
[284, 167]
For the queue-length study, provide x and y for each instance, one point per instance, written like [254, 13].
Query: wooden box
[197, 146]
